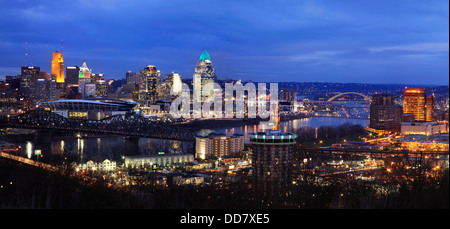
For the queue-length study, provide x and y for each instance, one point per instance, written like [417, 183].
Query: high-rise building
[25, 85]
[72, 75]
[287, 95]
[132, 77]
[58, 67]
[32, 71]
[101, 88]
[97, 76]
[84, 72]
[383, 113]
[414, 100]
[149, 85]
[272, 158]
[45, 90]
[204, 74]
[85, 85]
[429, 107]
[173, 82]
[218, 145]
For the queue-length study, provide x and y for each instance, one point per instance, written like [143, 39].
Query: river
[98, 148]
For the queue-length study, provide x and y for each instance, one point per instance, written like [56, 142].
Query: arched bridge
[349, 93]
[127, 125]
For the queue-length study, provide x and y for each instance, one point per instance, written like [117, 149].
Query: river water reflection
[290, 126]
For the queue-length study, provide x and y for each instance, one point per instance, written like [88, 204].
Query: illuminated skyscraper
[173, 81]
[32, 71]
[204, 74]
[101, 88]
[149, 85]
[58, 67]
[414, 100]
[85, 85]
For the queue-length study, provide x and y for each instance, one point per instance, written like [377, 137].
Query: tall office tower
[414, 100]
[85, 72]
[173, 81]
[149, 85]
[204, 74]
[25, 85]
[85, 86]
[272, 158]
[429, 107]
[45, 90]
[132, 77]
[383, 113]
[58, 67]
[101, 88]
[32, 71]
[97, 76]
[72, 75]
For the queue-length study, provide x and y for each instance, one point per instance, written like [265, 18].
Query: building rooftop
[204, 56]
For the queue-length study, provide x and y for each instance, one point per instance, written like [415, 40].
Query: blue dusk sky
[349, 41]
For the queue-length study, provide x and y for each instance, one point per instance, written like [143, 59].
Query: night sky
[359, 41]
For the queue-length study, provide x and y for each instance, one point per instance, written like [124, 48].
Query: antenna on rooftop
[26, 53]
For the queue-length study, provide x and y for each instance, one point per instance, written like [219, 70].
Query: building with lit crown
[204, 74]
[58, 67]
[272, 157]
[149, 85]
[415, 102]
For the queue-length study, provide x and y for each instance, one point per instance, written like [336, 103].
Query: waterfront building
[218, 145]
[423, 128]
[204, 74]
[272, 158]
[94, 108]
[160, 160]
[414, 100]
[104, 166]
[384, 113]
[58, 67]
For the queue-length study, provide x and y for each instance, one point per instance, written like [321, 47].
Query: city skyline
[401, 42]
